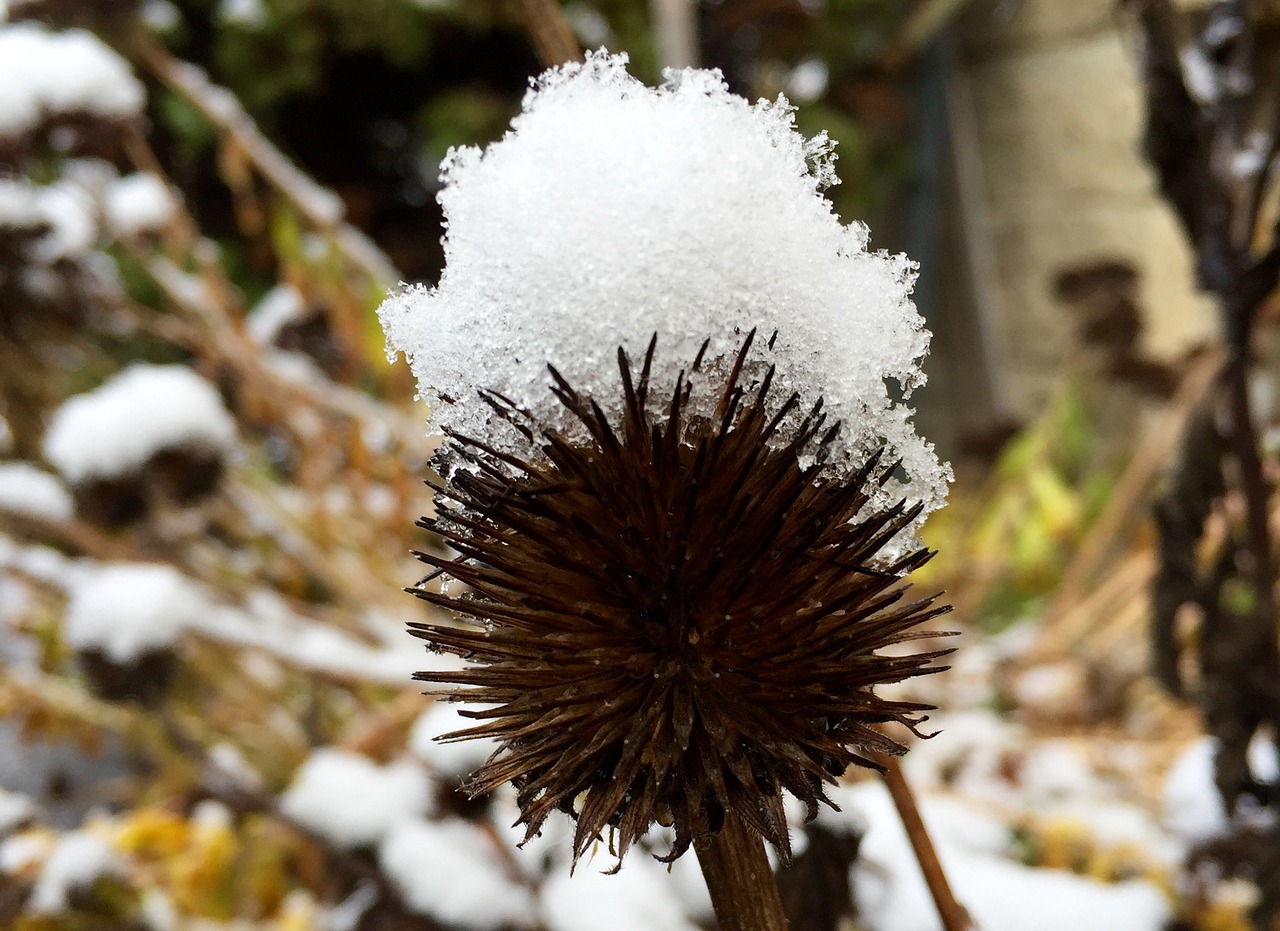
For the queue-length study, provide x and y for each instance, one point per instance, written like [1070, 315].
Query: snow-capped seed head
[612, 211]
[47, 75]
[146, 410]
[677, 610]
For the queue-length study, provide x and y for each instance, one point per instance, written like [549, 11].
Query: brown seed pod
[673, 616]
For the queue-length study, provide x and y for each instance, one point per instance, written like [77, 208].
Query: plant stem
[552, 36]
[952, 913]
[743, 891]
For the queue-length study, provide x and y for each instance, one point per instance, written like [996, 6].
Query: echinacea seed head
[676, 611]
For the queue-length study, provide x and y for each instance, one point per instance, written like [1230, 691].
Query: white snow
[637, 898]
[808, 80]
[138, 203]
[24, 850]
[143, 410]
[279, 307]
[161, 15]
[128, 609]
[15, 809]
[1200, 75]
[457, 758]
[248, 13]
[612, 211]
[268, 623]
[999, 894]
[450, 871]
[351, 800]
[26, 490]
[1192, 808]
[77, 861]
[62, 213]
[45, 74]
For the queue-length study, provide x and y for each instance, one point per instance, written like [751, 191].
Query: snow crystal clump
[144, 410]
[448, 871]
[46, 74]
[351, 800]
[26, 490]
[137, 204]
[129, 609]
[1192, 807]
[1001, 895]
[612, 211]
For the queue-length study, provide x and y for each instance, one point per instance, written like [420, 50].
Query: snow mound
[351, 800]
[449, 871]
[46, 74]
[129, 609]
[612, 211]
[137, 204]
[999, 894]
[146, 409]
[637, 898]
[26, 490]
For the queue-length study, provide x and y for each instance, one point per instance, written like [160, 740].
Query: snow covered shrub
[123, 623]
[678, 488]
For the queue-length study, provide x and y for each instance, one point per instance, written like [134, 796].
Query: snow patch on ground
[1001, 895]
[351, 800]
[637, 898]
[450, 871]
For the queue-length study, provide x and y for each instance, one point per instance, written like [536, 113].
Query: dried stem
[551, 33]
[675, 32]
[953, 915]
[318, 205]
[743, 891]
[1130, 491]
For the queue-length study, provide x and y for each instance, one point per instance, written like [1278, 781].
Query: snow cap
[129, 609]
[611, 211]
[45, 74]
[146, 409]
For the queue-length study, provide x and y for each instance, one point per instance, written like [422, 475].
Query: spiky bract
[673, 615]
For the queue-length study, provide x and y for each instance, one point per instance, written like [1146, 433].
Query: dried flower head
[676, 611]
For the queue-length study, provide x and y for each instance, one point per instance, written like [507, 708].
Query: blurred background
[209, 472]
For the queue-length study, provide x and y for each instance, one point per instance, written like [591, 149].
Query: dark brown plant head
[673, 612]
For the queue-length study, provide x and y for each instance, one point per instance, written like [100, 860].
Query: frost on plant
[612, 211]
